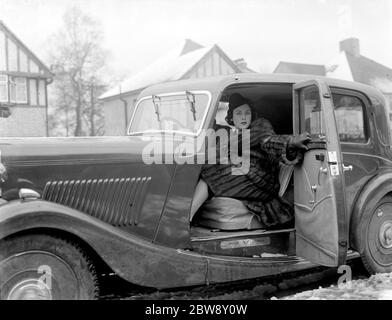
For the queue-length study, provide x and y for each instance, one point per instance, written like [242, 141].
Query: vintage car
[74, 208]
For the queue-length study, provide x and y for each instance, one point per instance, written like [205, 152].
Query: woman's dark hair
[236, 100]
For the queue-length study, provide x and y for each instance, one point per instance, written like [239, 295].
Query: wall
[24, 121]
[213, 65]
[114, 114]
[23, 89]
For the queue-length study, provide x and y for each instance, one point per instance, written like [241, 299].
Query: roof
[242, 65]
[214, 84]
[300, 68]
[339, 68]
[46, 70]
[361, 69]
[172, 66]
[369, 71]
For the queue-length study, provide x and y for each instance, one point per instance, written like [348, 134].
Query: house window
[2, 52]
[18, 90]
[33, 92]
[349, 118]
[3, 88]
[41, 93]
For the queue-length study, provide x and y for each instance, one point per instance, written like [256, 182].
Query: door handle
[314, 190]
[324, 170]
[347, 168]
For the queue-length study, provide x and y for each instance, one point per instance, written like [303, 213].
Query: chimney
[351, 46]
[241, 63]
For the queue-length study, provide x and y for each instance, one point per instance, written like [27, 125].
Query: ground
[300, 285]
[377, 287]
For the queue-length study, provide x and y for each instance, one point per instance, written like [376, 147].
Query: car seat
[231, 214]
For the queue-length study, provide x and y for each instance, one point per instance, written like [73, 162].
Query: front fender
[377, 188]
[132, 258]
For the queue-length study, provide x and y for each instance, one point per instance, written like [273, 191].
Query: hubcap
[30, 289]
[385, 234]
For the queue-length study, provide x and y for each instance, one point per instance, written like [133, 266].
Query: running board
[257, 243]
[202, 234]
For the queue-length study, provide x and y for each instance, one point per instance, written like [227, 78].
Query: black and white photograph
[215, 152]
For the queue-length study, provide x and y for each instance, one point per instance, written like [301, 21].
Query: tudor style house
[23, 88]
[187, 61]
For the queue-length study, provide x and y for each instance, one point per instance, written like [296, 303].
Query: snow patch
[377, 287]
[386, 295]
[169, 67]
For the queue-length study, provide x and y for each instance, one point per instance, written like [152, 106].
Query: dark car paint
[368, 159]
[173, 228]
[135, 259]
[143, 253]
[72, 159]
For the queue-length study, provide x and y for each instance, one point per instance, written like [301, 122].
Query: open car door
[319, 198]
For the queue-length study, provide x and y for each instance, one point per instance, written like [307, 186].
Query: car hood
[28, 150]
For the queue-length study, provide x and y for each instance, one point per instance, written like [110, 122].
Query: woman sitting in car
[258, 188]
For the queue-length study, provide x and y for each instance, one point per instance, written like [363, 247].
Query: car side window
[349, 114]
[312, 112]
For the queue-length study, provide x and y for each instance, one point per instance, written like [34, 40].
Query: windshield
[180, 112]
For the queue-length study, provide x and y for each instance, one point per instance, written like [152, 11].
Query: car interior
[224, 226]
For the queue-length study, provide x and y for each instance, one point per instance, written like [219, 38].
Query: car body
[100, 195]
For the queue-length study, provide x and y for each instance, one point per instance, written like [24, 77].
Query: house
[186, 61]
[243, 66]
[23, 88]
[349, 65]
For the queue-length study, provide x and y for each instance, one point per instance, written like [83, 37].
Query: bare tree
[78, 60]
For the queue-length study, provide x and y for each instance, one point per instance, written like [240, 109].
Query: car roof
[214, 84]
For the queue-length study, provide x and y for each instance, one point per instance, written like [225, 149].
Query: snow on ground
[377, 287]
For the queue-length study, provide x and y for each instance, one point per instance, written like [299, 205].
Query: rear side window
[349, 114]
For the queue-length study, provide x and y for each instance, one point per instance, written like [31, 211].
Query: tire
[374, 237]
[44, 267]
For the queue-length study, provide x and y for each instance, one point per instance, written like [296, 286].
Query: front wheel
[43, 267]
[375, 237]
